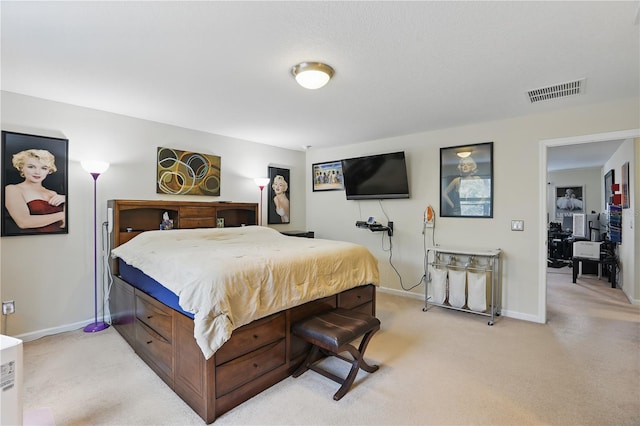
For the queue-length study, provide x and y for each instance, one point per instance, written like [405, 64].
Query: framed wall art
[327, 176]
[35, 169]
[609, 180]
[624, 185]
[187, 173]
[466, 181]
[568, 201]
[278, 202]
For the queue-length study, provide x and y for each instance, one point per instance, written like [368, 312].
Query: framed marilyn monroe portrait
[35, 182]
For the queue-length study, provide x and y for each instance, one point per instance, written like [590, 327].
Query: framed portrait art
[568, 201]
[35, 181]
[327, 176]
[466, 181]
[278, 202]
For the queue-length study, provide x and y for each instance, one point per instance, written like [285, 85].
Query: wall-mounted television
[376, 177]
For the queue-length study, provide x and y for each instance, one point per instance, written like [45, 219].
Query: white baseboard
[420, 296]
[34, 335]
[521, 316]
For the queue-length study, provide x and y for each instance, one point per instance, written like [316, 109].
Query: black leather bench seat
[333, 332]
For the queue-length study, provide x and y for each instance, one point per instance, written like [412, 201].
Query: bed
[210, 309]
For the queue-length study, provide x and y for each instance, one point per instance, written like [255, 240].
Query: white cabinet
[464, 280]
[11, 380]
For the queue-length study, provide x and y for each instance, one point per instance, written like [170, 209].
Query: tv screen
[376, 177]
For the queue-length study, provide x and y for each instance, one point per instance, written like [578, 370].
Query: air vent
[557, 91]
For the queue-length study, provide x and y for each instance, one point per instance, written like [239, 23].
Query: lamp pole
[260, 221]
[91, 167]
[261, 182]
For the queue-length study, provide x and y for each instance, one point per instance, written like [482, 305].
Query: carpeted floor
[441, 367]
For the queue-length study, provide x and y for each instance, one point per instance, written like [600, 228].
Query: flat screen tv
[376, 177]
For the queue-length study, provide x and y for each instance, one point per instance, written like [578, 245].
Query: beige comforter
[228, 277]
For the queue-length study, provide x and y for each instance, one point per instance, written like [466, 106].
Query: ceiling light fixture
[312, 75]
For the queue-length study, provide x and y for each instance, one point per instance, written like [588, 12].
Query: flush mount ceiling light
[312, 75]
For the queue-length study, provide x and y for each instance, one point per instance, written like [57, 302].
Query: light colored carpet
[441, 367]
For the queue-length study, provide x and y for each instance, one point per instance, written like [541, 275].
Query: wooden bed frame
[257, 356]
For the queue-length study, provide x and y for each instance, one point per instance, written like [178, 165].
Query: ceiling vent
[557, 91]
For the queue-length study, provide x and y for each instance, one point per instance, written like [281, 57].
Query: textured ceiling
[401, 67]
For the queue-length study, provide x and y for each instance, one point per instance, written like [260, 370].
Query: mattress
[153, 288]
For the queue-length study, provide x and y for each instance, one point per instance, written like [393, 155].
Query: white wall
[517, 195]
[627, 279]
[50, 277]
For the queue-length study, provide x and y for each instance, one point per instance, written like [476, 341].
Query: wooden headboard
[131, 217]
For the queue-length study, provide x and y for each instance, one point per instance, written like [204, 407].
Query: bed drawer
[298, 346]
[197, 211]
[197, 217]
[246, 368]
[122, 306]
[155, 350]
[154, 315]
[367, 308]
[355, 297]
[197, 222]
[252, 336]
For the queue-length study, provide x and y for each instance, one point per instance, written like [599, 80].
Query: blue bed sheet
[153, 288]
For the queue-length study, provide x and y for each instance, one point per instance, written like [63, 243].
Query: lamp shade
[95, 166]
[312, 75]
[262, 182]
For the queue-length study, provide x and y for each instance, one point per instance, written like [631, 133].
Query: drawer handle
[149, 316]
[255, 336]
[149, 342]
[255, 365]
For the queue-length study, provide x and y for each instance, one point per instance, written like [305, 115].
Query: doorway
[544, 159]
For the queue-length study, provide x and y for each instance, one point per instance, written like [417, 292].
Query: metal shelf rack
[488, 261]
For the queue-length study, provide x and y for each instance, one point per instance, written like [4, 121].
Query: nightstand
[304, 234]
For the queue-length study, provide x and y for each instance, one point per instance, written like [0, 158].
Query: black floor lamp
[95, 168]
[261, 182]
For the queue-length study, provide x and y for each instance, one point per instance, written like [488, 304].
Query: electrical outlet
[517, 225]
[8, 307]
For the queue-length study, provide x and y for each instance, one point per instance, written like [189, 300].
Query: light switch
[517, 225]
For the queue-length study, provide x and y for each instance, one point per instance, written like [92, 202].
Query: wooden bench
[332, 332]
